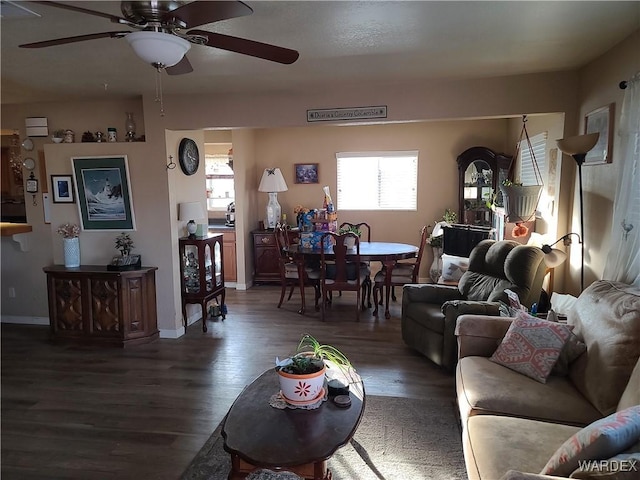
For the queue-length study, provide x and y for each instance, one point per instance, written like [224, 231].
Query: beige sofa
[512, 424]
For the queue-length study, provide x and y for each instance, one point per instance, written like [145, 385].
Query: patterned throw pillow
[532, 346]
[570, 353]
[601, 440]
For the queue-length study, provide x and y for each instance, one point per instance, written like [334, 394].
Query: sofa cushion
[532, 346]
[598, 441]
[484, 387]
[606, 316]
[631, 394]
[569, 354]
[453, 267]
[495, 444]
[428, 315]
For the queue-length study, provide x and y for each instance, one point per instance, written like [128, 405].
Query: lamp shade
[272, 181]
[158, 48]
[190, 211]
[554, 257]
[578, 144]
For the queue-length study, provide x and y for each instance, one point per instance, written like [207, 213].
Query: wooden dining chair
[342, 270]
[294, 273]
[366, 285]
[401, 274]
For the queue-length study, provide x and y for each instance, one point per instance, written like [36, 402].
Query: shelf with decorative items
[202, 274]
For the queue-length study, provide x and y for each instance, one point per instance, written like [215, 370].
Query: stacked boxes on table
[316, 224]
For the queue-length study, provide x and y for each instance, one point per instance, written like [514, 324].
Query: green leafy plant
[509, 183]
[310, 357]
[350, 228]
[58, 133]
[124, 244]
[450, 216]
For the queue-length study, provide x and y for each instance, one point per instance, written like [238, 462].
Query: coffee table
[258, 435]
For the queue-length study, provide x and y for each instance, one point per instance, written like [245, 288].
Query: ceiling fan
[159, 38]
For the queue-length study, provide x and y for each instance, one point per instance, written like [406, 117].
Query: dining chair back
[294, 272]
[341, 269]
[401, 273]
[366, 285]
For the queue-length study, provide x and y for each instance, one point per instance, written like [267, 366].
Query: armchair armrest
[429, 293]
[515, 475]
[480, 335]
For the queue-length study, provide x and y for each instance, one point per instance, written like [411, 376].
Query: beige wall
[272, 130]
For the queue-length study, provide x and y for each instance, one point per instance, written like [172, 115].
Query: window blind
[527, 172]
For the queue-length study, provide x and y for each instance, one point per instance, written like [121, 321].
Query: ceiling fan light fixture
[158, 48]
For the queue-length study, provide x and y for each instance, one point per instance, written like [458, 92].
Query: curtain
[623, 260]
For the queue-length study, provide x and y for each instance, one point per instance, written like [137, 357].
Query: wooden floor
[143, 413]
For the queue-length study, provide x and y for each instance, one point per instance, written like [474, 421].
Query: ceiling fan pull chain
[159, 90]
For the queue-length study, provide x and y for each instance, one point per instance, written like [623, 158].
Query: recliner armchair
[430, 311]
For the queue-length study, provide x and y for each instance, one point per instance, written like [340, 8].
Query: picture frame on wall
[600, 120]
[62, 188]
[306, 173]
[104, 193]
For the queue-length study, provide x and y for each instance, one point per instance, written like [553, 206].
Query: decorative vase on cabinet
[436, 266]
[71, 252]
[201, 274]
[130, 127]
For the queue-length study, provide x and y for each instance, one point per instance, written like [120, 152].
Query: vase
[436, 266]
[130, 127]
[72, 252]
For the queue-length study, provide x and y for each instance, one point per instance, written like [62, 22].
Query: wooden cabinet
[202, 273]
[266, 255]
[229, 256]
[93, 305]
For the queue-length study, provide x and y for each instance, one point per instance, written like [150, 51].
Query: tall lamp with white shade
[191, 211]
[272, 182]
[578, 147]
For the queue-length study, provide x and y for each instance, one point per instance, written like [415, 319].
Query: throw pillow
[598, 441]
[532, 346]
[569, 354]
[625, 466]
[453, 267]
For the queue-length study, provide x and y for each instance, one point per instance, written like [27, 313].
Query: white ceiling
[339, 42]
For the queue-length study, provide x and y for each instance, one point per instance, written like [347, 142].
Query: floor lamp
[578, 147]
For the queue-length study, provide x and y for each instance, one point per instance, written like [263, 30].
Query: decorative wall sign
[601, 121]
[355, 113]
[306, 173]
[104, 193]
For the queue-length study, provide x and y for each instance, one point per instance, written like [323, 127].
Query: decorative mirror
[480, 171]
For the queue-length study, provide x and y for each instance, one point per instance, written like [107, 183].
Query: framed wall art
[600, 121]
[62, 188]
[306, 173]
[104, 193]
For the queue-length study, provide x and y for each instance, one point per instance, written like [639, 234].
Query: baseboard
[165, 333]
[22, 320]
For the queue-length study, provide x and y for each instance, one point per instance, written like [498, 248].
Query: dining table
[387, 253]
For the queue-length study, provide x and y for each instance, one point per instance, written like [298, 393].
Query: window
[377, 180]
[527, 172]
[220, 184]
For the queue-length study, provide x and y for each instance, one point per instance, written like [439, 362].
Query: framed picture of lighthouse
[104, 193]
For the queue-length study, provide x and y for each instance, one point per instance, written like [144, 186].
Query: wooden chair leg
[284, 289]
[291, 291]
[376, 289]
[301, 284]
[393, 293]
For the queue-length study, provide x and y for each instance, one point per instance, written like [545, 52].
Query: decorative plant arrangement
[124, 244]
[350, 229]
[58, 136]
[302, 375]
[69, 230]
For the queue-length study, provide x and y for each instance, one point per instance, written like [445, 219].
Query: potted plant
[520, 202]
[350, 242]
[302, 375]
[57, 136]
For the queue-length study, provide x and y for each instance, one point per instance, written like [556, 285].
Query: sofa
[430, 311]
[513, 425]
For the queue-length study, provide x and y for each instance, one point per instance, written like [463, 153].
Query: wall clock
[188, 156]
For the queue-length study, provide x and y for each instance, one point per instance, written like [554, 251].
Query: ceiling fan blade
[199, 13]
[113, 18]
[248, 47]
[79, 38]
[180, 68]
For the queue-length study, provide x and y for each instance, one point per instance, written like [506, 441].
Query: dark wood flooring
[73, 412]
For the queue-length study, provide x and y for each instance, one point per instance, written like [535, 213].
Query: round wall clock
[188, 156]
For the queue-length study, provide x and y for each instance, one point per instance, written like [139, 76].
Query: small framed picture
[600, 121]
[306, 172]
[62, 188]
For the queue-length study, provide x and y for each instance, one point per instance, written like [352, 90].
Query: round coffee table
[258, 435]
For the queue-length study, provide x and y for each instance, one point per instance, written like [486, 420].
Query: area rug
[398, 438]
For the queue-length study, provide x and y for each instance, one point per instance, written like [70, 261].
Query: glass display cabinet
[202, 274]
[480, 172]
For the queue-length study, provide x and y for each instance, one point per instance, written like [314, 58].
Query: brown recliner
[430, 311]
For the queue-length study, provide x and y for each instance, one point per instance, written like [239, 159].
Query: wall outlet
[12, 292]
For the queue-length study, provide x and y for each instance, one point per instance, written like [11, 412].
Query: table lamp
[191, 211]
[578, 147]
[272, 182]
